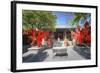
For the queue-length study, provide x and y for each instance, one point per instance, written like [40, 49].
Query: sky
[64, 18]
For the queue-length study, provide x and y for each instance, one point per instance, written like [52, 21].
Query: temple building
[62, 29]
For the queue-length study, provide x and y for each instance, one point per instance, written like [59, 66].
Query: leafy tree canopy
[38, 19]
[79, 16]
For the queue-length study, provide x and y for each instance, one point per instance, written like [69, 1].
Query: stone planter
[60, 51]
[34, 49]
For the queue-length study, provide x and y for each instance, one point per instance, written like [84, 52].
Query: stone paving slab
[47, 55]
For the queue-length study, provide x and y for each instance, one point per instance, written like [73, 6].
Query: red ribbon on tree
[82, 35]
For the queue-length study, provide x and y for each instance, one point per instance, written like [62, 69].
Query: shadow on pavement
[39, 57]
[84, 52]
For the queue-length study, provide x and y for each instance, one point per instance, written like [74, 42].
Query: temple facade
[61, 30]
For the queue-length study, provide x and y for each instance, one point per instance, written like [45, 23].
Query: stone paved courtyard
[47, 55]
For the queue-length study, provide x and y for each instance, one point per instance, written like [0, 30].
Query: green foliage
[78, 16]
[38, 19]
